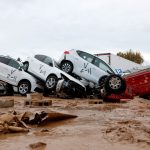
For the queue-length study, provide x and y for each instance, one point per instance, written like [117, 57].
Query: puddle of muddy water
[87, 130]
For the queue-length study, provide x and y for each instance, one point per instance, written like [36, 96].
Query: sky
[50, 27]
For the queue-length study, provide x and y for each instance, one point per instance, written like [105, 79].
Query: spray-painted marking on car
[41, 66]
[85, 69]
[41, 69]
[11, 76]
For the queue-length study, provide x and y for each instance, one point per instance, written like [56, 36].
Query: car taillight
[66, 52]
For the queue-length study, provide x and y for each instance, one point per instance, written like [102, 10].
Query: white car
[11, 71]
[46, 69]
[92, 69]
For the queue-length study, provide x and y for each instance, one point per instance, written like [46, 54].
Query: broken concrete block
[38, 102]
[13, 129]
[42, 103]
[34, 96]
[6, 102]
[95, 101]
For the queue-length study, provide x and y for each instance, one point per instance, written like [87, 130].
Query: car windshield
[14, 64]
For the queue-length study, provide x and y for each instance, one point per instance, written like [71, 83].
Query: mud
[105, 126]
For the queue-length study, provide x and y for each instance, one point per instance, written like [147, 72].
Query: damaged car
[12, 72]
[46, 69]
[92, 69]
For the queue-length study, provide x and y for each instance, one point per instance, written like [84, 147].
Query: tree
[133, 56]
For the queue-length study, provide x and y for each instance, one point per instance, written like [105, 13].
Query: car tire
[24, 87]
[115, 84]
[51, 82]
[26, 66]
[67, 67]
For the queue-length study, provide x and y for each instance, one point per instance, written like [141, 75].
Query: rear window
[13, 64]
[4, 60]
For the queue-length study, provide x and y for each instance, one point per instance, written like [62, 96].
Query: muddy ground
[115, 126]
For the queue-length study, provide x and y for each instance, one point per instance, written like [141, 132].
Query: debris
[6, 102]
[36, 99]
[10, 123]
[6, 89]
[38, 102]
[44, 117]
[35, 96]
[95, 101]
[44, 130]
[37, 145]
[13, 129]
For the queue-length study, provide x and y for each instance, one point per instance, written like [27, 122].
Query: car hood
[70, 77]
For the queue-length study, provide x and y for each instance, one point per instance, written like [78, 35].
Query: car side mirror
[20, 69]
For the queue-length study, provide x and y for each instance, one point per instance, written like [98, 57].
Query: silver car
[92, 69]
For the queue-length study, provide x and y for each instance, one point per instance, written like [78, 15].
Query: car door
[48, 66]
[36, 67]
[4, 68]
[84, 67]
[40, 66]
[14, 74]
[100, 68]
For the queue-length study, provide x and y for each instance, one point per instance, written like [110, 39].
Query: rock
[37, 145]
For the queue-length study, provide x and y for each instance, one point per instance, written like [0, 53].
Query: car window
[85, 56]
[40, 57]
[13, 64]
[102, 65]
[56, 64]
[48, 61]
[4, 60]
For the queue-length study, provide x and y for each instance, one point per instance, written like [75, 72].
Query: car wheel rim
[23, 88]
[66, 67]
[50, 83]
[115, 83]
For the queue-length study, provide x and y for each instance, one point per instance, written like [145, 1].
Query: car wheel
[24, 87]
[26, 66]
[51, 82]
[115, 84]
[67, 66]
